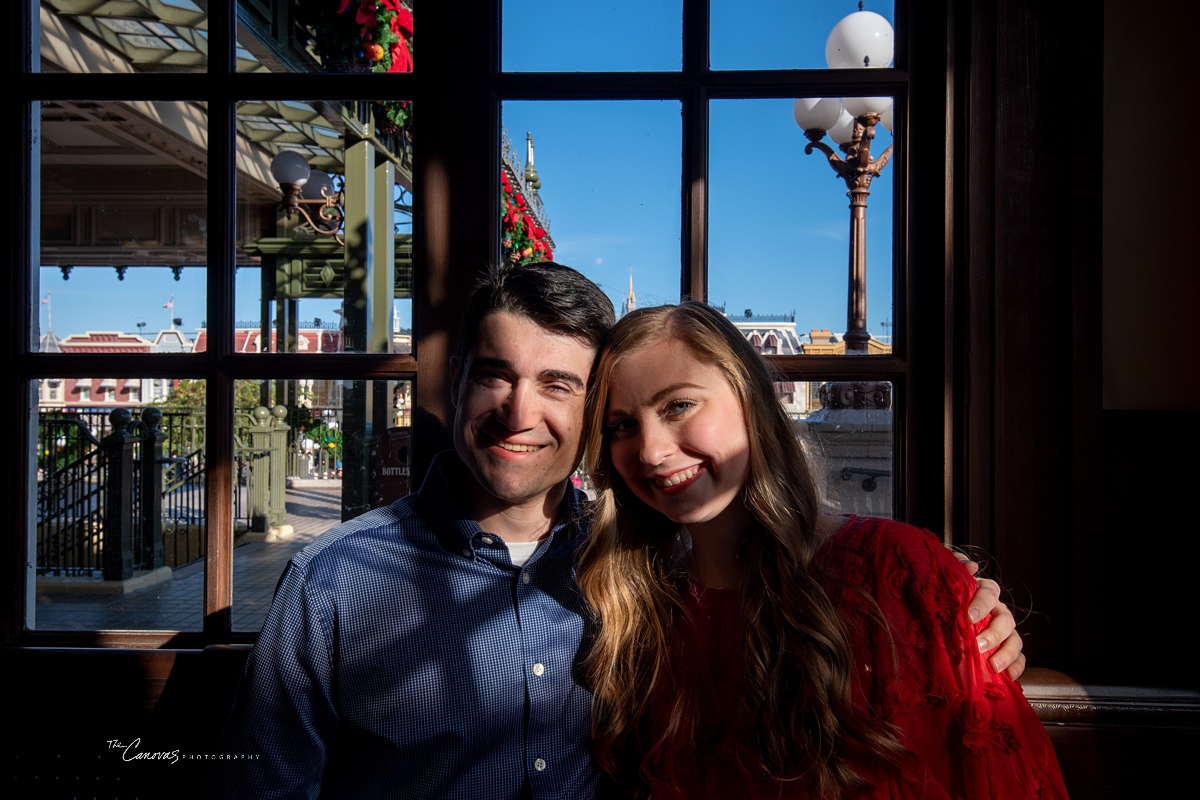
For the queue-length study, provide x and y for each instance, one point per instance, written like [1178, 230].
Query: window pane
[327, 451]
[779, 34]
[324, 36]
[610, 192]
[311, 280]
[846, 429]
[122, 504]
[123, 226]
[119, 533]
[115, 38]
[618, 36]
[782, 217]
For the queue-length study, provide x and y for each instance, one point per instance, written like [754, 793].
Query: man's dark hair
[556, 297]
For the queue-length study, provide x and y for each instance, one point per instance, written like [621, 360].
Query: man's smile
[518, 448]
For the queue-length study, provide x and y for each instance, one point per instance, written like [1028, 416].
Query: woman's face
[677, 436]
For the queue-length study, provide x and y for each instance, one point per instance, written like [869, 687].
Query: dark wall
[1066, 489]
[1151, 383]
[1150, 237]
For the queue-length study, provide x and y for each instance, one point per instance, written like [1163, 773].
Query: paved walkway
[313, 507]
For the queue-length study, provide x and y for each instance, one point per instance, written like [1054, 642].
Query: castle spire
[630, 299]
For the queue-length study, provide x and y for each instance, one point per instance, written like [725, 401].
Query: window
[161, 224]
[162, 247]
[52, 390]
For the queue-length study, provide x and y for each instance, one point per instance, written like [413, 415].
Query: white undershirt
[520, 552]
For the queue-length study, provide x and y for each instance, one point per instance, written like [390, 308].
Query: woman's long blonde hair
[795, 714]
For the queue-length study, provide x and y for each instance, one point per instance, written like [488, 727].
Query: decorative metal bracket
[858, 168]
[329, 213]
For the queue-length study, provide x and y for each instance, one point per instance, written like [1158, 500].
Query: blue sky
[779, 220]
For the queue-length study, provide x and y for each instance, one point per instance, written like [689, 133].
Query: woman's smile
[678, 479]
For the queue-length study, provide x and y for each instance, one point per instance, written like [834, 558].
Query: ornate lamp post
[861, 40]
[854, 424]
[303, 186]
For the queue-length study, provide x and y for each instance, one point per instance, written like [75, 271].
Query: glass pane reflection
[846, 429]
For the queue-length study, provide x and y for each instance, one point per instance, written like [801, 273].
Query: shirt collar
[444, 506]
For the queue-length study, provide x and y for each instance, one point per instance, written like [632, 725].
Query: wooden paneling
[1112, 741]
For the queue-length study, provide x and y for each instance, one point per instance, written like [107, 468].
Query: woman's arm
[971, 730]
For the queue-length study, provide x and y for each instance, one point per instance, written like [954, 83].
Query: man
[430, 648]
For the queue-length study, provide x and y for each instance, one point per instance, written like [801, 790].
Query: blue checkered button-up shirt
[405, 656]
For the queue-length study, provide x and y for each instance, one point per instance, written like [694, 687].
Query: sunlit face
[677, 436]
[519, 408]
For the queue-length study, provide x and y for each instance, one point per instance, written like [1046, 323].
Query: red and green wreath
[374, 35]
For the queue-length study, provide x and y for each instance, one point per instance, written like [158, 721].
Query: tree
[188, 395]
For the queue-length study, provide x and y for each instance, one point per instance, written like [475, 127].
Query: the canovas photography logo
[133, 750]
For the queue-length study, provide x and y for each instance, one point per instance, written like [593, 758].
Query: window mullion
[694, 235]
[218, 575]
[693, 280]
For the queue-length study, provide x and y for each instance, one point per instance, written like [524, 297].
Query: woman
[748, 646]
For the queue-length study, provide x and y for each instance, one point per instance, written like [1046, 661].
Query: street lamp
[303, 186]
[860, 40]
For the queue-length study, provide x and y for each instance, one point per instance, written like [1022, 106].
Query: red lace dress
[972, 732]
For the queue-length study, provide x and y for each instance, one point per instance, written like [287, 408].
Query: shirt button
[539, 764]
[539, 669]
[524, 577]
[486, 539]
[467, 552]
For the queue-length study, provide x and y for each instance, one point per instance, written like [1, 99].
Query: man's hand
[1002, 630]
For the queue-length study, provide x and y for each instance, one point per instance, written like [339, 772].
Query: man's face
[518, 402]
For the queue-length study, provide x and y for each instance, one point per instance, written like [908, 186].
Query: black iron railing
[184, 507]
[137, 477]
[91, 481]
[70, 498]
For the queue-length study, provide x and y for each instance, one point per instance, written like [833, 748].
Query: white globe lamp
[862, 39]
[817, 113]
[857, 106]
